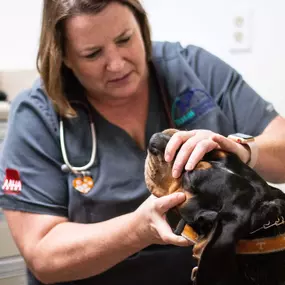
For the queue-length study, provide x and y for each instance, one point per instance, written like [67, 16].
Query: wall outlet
[240, 31]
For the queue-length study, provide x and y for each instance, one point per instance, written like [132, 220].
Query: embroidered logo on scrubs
[190, 105]
[83, 184]
[12, 183]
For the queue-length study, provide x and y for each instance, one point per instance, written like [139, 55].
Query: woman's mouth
[120, 79]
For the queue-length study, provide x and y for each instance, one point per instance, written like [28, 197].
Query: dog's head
[225, 201]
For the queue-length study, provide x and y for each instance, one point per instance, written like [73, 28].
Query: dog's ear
[217, 262]
[270, 210]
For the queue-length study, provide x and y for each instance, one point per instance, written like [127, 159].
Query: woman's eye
[93, 54]
[124, 40]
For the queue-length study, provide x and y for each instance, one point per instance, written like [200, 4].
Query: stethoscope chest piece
[83, 184]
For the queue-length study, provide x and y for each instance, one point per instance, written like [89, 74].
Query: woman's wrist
[139, 228]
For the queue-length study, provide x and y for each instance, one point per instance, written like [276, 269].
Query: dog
[233, 217]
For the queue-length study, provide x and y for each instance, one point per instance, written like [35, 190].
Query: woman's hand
[152, 225]
[194, 145]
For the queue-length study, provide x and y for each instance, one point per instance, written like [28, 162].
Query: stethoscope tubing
[77, 169]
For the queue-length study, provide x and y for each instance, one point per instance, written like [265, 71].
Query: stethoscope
[67, 166]
[83, 170]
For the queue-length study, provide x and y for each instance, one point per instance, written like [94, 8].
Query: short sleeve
[247, 111]
[31, 147]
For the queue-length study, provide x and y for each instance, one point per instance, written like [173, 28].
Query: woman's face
[106, 52]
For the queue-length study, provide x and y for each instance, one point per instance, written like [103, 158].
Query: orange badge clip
[83, 184]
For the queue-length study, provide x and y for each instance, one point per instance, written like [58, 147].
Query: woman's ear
[67, 62]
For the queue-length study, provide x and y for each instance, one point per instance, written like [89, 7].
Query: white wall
[19, 33]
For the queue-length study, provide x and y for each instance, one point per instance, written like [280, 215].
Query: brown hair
[55, 75]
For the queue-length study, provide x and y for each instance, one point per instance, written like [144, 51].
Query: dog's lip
[154, 150]
[150, 162]
[199, 247]
[149, 169]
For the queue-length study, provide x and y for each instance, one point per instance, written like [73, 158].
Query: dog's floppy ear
[270, 210]
[217, 261]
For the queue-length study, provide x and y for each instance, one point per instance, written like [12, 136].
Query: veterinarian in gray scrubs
[96, 224]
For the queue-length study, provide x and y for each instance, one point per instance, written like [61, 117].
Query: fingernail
[175, 173]
[189, 166]
[180, 195]
[167, 157]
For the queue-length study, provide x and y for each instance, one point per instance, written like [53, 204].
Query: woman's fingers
[168, 237]
[165, 232]
[199, 151]
[190, 148]
[167, 202]
[152, 224]
[225, 143]
[175, 142]
[182, 157]
[228, 145]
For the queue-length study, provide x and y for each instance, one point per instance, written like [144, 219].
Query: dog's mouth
[158, 172]
[158, 176]
[159, 180]
[160, 183]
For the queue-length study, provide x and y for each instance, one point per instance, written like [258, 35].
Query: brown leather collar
[255, 246]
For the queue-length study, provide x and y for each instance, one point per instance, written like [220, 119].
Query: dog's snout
[157, 143]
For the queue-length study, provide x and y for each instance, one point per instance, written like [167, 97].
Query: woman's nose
[115, 61]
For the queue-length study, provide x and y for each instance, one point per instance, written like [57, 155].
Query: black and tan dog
[234, 218]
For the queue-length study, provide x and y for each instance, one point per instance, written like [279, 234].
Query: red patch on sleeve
[12, 183]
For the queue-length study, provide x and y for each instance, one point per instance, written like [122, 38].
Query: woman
[99, 53]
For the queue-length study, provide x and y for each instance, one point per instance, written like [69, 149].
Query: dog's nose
[157, 143]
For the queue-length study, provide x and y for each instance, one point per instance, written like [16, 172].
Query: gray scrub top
[203, 93]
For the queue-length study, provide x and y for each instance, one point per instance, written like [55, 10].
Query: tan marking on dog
[221, 154]
[203, 165]
[158, 176]
[218, 154]
[199, 247]
[158, 173]
[202, 243]
[190, 234]
[170, 132]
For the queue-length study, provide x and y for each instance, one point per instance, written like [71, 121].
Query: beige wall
[12, 82]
